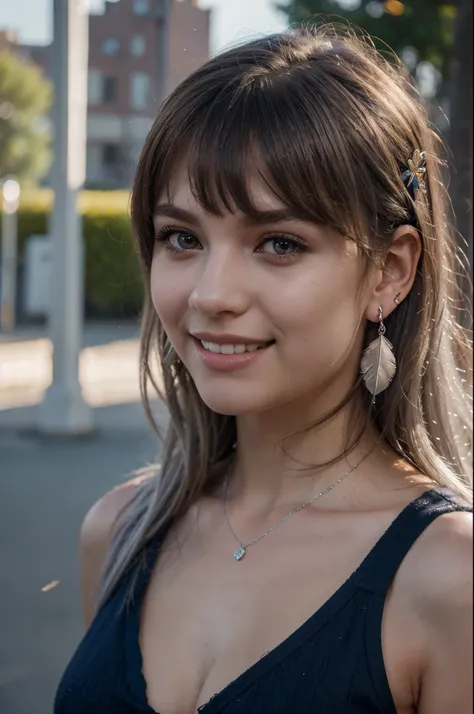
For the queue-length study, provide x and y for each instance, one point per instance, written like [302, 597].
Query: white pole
[64, 410]
[11, 195]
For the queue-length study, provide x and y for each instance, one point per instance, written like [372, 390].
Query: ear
[397, 276]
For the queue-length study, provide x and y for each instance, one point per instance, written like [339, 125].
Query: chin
[234, 401]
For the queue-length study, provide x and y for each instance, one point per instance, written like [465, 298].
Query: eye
[178, 240]
[281, 246]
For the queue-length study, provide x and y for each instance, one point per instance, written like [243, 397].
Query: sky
[232, 20]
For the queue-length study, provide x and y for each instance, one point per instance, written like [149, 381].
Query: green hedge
[113, 285]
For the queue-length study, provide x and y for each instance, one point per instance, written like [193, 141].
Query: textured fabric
[332, 664]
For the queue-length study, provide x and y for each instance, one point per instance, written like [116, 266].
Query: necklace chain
[240, 552]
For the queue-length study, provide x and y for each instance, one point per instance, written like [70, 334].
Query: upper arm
[446, 612]
[95, 539]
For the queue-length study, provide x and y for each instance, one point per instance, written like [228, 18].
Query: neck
[281, 459]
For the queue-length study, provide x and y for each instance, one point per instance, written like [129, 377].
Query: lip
[227, 363]
[228, 339]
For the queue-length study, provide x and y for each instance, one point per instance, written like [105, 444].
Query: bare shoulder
[98, 525]
[440, 571]
[427, 628]
[96, 535]
[437, 582]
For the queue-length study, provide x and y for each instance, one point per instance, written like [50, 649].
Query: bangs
[265, 128]
[305, 128]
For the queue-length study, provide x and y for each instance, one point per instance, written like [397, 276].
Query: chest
[208, 620]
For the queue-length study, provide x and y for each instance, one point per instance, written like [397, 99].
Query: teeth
[228, 349]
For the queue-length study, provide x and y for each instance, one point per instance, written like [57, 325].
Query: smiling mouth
[233, 349]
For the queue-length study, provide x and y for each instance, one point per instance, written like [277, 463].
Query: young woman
[305, 545]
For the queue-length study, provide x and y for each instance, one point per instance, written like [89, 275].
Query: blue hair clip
[414, 177]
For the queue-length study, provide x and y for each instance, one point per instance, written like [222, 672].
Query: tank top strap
[380, 566]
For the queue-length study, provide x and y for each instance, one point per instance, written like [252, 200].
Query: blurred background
[75, 107]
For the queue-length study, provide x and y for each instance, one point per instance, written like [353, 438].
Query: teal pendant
[239, 554]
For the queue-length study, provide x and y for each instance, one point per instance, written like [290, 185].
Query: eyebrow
[256, 218]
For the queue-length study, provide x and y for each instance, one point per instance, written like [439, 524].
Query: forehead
[262, 196]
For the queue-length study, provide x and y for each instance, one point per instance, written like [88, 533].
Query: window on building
[110, 46]
[110, 155]
[102, 89]
[95, 82]
[109, 89]
[139, 90]
[141, 7]
[137, 45]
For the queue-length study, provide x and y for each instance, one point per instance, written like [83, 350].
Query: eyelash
[163, 234]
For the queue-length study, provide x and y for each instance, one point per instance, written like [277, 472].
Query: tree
[421, 31]
[440, 33]
[25, 97]
[460, 133]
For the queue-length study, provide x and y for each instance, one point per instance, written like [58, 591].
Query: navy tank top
[332, 664]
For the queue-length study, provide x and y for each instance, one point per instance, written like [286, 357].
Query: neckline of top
[356, 582]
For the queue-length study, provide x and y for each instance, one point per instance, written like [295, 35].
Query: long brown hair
[334, 123]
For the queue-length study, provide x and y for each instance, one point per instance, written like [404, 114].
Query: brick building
[133, 63]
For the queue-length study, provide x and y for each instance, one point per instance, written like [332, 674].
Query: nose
[222, 286]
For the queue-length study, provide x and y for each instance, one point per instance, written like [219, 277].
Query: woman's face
[262, 314]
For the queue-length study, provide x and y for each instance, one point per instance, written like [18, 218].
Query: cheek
[317, 299]
[168, 295]
[320, 316]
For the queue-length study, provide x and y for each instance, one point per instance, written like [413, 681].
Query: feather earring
[378, 364]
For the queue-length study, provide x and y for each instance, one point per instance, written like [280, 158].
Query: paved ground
[26, 369]
[46, 486]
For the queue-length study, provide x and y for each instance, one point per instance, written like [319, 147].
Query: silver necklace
[242, 549]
